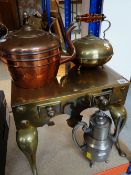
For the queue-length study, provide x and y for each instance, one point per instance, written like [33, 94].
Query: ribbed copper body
[33, 56]
[34, 73]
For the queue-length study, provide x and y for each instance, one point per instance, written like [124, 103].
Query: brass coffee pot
[92, 51]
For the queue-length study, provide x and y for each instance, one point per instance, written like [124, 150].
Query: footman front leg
[117, 112]
[27, 140]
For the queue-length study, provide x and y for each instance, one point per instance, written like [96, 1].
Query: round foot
[107, 161]
[122, 154]
[91, 164]
[51, 123]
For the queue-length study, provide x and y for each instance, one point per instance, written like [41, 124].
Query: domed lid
[100, 119]
[30, 41]
[91, 47]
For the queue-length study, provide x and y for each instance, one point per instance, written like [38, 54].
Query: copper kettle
[33, 56]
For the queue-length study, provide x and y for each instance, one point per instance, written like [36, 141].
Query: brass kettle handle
[106, 28]
[90, 17]
[93, 18]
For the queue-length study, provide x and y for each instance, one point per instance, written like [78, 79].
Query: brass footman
[33, 108]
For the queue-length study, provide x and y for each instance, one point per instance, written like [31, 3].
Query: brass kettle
[92, 51]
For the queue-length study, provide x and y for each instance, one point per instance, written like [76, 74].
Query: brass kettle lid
[92, 47]
[30, 41]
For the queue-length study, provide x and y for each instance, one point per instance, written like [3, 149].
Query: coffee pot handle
[85, 128]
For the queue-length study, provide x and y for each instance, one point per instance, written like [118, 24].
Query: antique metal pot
[92, 51]
[33, 56]
[98, 139]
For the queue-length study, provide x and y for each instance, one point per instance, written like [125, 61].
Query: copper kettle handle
[3, 34]
[3, 59]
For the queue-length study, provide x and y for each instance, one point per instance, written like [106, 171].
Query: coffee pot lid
[100, 118]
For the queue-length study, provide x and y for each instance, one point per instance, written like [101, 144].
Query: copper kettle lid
[30, 41]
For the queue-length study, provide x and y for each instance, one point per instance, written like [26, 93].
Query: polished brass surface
[77, 81]
[118, 111]
[92, 51]
[70, 89]
[27, 140]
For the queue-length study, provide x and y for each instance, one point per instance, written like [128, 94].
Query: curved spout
[65, 57]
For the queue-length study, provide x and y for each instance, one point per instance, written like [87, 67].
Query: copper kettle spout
[65, 57]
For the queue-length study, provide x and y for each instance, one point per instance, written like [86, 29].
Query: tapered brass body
[27, 140]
